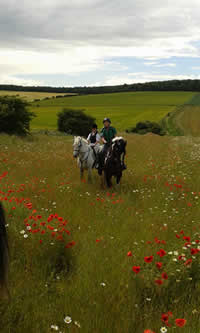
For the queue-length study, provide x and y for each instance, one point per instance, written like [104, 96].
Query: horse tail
[4, 250]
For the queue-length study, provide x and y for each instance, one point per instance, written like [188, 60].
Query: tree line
[171, 85]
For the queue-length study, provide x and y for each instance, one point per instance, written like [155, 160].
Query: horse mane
[78, 138]
[117, 138]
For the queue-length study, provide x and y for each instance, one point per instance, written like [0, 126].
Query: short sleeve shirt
[108, 133]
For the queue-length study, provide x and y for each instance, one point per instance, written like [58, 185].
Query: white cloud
[61, 37]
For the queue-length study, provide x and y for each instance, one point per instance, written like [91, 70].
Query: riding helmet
[107, 119]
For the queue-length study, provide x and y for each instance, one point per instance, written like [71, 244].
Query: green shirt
[108, 133]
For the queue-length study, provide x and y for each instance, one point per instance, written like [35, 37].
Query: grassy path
[184, 120]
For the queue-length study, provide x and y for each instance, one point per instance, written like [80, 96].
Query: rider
[107, 134]
[94, 138]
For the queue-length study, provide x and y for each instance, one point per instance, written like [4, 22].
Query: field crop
[87, 259]
[125, 109]
[29, 96]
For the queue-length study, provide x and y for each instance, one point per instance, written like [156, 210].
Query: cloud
[74, 37]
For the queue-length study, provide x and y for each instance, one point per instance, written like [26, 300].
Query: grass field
[125, 109]
[29, 96]
[79, 262]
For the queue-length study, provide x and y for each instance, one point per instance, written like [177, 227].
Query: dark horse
[114, 160]
[4, 256]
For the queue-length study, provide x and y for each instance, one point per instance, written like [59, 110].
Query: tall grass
[92, 281]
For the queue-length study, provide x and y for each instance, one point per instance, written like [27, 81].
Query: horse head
[119, 145]
[77, 145]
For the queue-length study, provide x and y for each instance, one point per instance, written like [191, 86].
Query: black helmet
[94, 126]
[107, 119]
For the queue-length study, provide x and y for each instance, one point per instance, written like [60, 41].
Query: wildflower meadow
[83, 258]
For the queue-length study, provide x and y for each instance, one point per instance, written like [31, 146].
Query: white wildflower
[67, 320]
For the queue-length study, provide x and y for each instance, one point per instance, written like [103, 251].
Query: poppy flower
[129, 254]
[164, 276]
[188, 262]
[136, 269]
[148, 259]
[180, 322]
[161, 253]
[148, 331]
[159, 282]
[187, 238]
[159, 265]
[194, 251]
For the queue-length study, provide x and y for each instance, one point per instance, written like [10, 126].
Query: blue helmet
[107, 119]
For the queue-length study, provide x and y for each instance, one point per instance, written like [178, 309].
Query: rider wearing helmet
[94, 137]
[107, 134]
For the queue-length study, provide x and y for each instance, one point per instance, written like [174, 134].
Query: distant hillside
[172, 85]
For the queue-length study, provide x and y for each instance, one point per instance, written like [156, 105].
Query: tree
[75, 122]
[14, 116]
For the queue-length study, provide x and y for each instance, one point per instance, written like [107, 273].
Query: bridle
[78, 150]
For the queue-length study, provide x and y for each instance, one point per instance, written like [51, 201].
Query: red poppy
[188, 262]
[129, 254]
[187, 238]
[148, 259]
[161, 253]
[164, 276]
[159, 265]
[194, 251]
[70, 244]
[180, 322]
[136, 269]
[148, 331]
[159, 282]
[178, 236]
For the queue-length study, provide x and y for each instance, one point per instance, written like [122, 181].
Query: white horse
[85, 155]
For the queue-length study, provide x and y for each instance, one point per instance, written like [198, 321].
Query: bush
[75, 122]
[146, 127]
[14, 116]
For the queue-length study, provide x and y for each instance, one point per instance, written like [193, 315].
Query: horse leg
[81, 173]
[90, 175]
[108, 179]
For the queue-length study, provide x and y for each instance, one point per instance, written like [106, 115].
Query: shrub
[14, 116]
[146, 127]
[75, 122]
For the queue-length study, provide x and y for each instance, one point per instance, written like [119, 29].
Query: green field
[125, 109]
[107, 233]
[29, 96]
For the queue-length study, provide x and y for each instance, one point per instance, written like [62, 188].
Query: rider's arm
[102, 137]
[88, 138]
[98, 139]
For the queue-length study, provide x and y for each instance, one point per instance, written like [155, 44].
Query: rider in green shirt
[107, 134]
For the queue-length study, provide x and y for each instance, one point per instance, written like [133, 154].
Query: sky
[98, 42]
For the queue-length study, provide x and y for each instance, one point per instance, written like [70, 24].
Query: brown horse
[4, 256]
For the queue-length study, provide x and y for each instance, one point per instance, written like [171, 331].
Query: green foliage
[14, 116]
[75, 122]
[146, 127]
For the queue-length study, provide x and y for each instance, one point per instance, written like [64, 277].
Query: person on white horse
[85, 155]
[94, 139]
